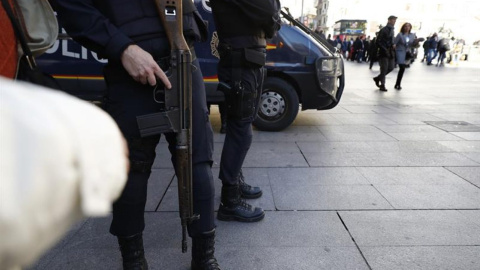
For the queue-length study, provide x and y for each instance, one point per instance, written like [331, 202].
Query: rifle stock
[178, 101]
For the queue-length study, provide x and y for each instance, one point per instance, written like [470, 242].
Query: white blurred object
[61, 159]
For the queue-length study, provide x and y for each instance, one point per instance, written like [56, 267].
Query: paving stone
[349, 129]
[318, 197]
[411, 228]
[275, 159]
[473, 118]
[286, 229]
[354, 137]
[316, 176]
[454, 126]
[431, 159]
[409, 176]
[462, 146]
[473, 156]
[388, 159]
[315, 119]
[327, 147]
[409, 147]
[407, 128]
[411, 119]
[363, 119]
[471, 136]
[158, 183]
[428, 136]
[288, 136]
[423, 257]
[304, 258]
[472, 215]
[458, 196]
[470, 174]
[347, 159]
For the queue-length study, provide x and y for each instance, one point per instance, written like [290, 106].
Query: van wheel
[278, 105]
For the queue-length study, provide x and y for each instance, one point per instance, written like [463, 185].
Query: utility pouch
[254, 57]
[240, 101]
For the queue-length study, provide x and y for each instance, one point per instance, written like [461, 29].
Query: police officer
[130, 35]
[243, 27]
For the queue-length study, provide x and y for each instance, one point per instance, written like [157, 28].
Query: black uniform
[108, 27]
[243, 27]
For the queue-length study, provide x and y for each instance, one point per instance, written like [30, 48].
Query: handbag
[38, 41]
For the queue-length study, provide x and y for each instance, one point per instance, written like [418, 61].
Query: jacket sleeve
[89, 27]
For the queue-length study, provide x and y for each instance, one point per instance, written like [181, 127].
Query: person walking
[403, 49]
[366, 45]
[425, 46]
[131, 36]
[386, 57]
[358, 47]
[443, 47]
[243, 27]
[373, 52]
[432, 48]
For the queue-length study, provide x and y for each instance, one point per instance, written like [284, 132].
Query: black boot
[203, 249]
[233, 207]
[247, 191]
[377, 81]
[132, 252]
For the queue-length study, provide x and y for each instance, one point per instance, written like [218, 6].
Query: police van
[302, 70]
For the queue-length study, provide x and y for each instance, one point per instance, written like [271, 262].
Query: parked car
[302, 68]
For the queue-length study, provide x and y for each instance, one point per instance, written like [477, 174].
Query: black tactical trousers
[238, 137]
[128, 99]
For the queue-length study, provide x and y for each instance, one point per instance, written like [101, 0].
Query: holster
[240, 95]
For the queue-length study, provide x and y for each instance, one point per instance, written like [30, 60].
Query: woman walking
[403, 46]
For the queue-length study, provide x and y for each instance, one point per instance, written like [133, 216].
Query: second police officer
[243, 27]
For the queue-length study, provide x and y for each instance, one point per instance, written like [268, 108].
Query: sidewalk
[386, 180]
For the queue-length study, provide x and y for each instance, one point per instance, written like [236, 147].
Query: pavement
[386, 180]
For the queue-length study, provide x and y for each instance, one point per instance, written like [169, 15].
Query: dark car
[302, 68]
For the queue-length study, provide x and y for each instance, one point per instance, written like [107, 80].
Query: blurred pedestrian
[386, 57]
[359, 48]
[366, 46]
[373, 52]
[425, 46]
[432, 48]
[443, 47]
[403, 49]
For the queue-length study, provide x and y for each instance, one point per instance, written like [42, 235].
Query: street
[386, 180]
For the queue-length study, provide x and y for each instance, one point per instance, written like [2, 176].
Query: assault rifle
[177, 116]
